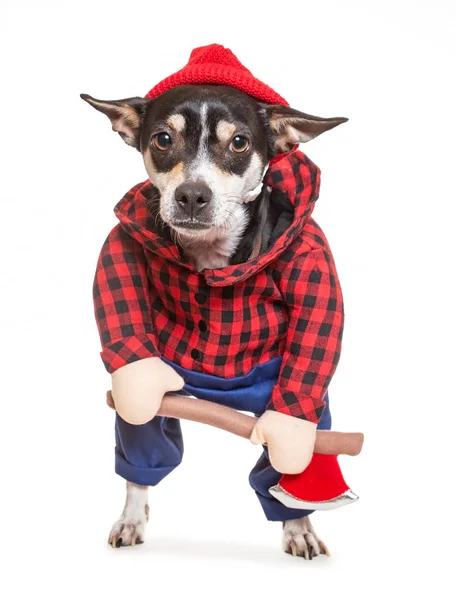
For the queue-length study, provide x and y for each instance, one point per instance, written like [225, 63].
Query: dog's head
[206, 148]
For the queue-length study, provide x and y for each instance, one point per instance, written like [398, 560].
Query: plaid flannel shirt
[286, 302]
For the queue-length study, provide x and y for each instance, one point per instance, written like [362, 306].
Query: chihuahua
[206, 149]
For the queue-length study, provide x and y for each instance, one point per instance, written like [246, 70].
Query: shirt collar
[294, 176]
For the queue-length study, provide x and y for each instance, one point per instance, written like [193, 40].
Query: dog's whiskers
[227, 225]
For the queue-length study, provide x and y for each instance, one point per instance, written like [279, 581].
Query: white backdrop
[387, 207]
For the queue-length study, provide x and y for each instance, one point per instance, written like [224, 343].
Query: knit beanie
[215, 64]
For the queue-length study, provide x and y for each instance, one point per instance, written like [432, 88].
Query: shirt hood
[294, 179]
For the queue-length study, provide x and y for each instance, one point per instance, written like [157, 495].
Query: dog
[206, 149]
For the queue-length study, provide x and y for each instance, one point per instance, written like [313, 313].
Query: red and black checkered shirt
[286, 302]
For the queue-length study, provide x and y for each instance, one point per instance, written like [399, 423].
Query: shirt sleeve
[121, 298]
[311, 288]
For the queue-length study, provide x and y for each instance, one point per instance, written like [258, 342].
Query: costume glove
[138, 388]
[290, 440]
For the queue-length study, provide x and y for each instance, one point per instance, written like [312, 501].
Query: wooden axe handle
[210, 413]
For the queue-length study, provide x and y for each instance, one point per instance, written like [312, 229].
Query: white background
[387, 207]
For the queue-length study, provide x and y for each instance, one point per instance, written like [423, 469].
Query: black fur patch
[223, 103]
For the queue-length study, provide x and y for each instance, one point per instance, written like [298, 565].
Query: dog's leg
[300, 539]
[129, 529]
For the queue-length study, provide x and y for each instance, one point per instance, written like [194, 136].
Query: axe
[320, 487]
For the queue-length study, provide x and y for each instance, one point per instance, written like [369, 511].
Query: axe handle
[210, 413]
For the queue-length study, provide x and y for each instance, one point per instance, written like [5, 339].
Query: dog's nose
[193, 197]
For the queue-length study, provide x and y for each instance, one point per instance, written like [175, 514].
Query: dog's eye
[162, 141]
[239, 144]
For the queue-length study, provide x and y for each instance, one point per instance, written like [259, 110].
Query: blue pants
[145, 454]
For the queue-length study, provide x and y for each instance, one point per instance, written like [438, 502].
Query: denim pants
[145, 454]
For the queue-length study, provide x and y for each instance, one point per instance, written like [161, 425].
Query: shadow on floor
[219, 551]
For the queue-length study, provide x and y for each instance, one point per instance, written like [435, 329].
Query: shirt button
[200, 297]
[202, 326]
[196, 354]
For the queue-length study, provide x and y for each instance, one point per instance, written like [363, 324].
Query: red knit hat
[216, 64]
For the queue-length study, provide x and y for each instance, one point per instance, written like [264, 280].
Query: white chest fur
[214, 249]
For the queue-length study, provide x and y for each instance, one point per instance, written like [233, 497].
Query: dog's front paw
[300, 539]
[129, 530]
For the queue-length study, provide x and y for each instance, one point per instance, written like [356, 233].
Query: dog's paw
[129, 530]
[300, 539]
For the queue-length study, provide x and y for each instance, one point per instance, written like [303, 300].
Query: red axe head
[320, 487]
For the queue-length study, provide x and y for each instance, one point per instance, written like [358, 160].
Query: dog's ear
[126, 116]
[290, 127]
